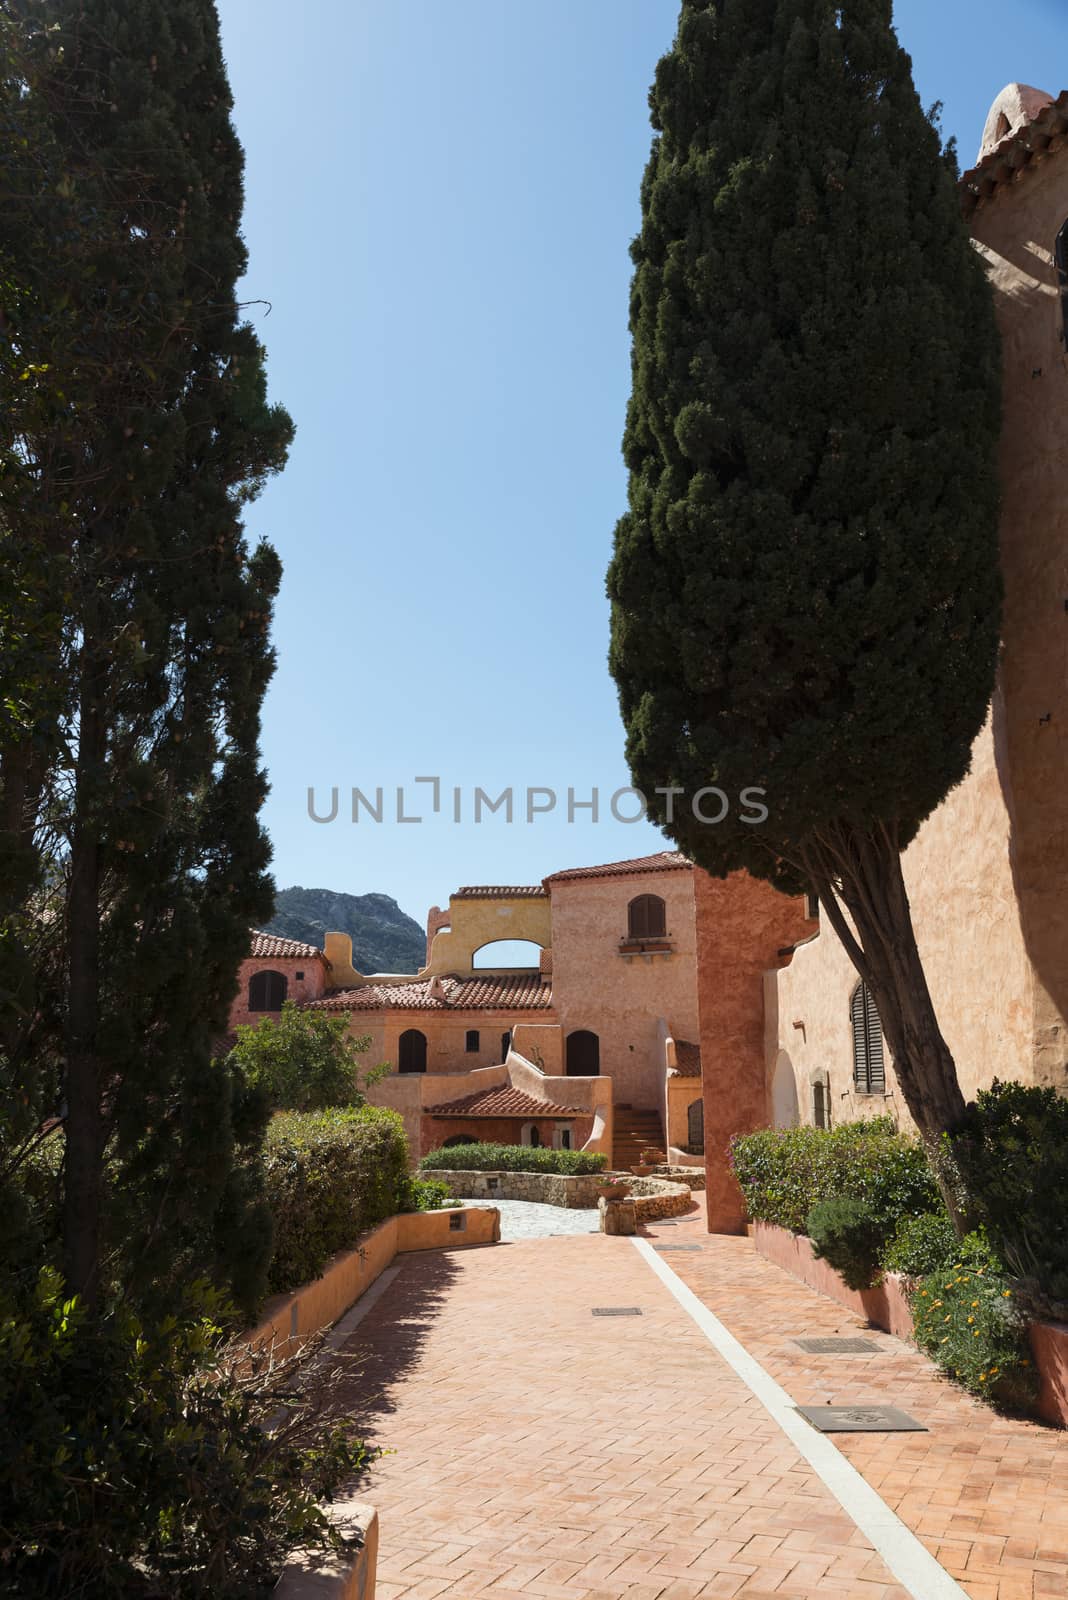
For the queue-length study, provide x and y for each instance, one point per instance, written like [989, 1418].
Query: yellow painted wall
[479, 922]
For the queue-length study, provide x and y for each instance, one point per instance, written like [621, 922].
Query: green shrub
[1012, 1154]
[849, 1234]
[512, 1158]
[967, 1319]
[138, 1462]
[783, 1173]
[922, 1245]
[305, 1061]
[427, 1194]
[329, 1175]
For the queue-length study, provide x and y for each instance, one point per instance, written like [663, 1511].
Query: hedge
[330, 1175]
[783, 1173]
[512, 1158]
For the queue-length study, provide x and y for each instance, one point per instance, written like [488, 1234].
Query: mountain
[384, 938]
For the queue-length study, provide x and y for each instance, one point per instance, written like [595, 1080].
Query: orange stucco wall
[742, 925]
[309, 987]
[622, 999]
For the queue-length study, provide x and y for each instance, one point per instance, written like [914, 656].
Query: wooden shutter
[646, 917]
[869, 1067]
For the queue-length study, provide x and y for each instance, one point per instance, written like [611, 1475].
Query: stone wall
[655, 1197]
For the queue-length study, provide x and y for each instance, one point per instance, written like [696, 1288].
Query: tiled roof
[1019, 151]
[525, 991]
[270, 947]
[687, 1059]
[500, 891]
[503, 1102]
[664, 861]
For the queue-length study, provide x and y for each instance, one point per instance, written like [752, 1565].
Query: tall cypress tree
[152, 432]
[805, 586]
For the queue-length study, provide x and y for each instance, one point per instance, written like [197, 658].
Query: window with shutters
[869, 1070]
[267, 991]
[1060, 256]
[646, 917]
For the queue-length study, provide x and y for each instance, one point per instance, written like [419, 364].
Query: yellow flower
[948, 1318]
[1006, 1294]
[935, 1303]
[975, 1335]
[946, 1339]
[923, 1294]
[971, 1319]
[1024, 1362]
[982, 1377]
[975, 1302]
[994, 1371]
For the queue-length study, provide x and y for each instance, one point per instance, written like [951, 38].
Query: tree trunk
[84, 1155]
[860, 874]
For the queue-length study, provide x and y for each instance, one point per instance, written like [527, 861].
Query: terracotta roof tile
[500, 891]
[1017, 152]
[271, 947]
[663, 861]
[526, 991]
[502, 1102]
[687, 1059]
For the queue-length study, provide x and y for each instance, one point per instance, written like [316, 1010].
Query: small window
[506, 1044]
[812, 907]
[299, 976]
[1060, 256]
[646, 917]
[535, 1139]
[565, 1138]
[869, 1069]
[471, 1041]
[267, 991]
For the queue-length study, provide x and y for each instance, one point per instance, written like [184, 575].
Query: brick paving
[541, 1452]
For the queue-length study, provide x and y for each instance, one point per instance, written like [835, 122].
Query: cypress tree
[151, 432]
[805, 586]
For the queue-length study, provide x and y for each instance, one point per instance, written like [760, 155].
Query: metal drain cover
[616, 1311]
[842, 1347]
[676, 1247]
[860, 1419]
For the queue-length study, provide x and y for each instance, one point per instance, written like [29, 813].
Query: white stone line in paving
[907, 1558]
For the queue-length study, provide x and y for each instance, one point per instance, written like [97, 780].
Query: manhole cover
[860, 1419]
[663, 1247]
[843, 1347]
[616, 1311]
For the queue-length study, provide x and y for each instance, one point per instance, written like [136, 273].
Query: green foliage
[136, 1461]
[784, 1173]
[330, 1175]
[849, 1234]
[427, 1194]
[512, 1158]
[966, 1318]
[805, 587]
[921, 1245]
[305, 1061]
[1012, 1153]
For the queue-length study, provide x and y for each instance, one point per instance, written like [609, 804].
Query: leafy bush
[427, 1194]
[849, 1234]
[305, 1061]
[783, 1173]
[139, 1462]
[1012, 1154]
[512, 1158]
[967, 1319]
[330, 1175]
[921, 1245]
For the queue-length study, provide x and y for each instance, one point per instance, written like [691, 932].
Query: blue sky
[439, 204]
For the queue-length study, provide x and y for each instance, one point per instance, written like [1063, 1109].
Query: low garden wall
[336, 1577]
[887, 1307]
[655, 1197]
[678, 1172]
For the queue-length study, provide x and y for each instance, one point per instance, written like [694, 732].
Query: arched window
[583, 1054]
[646, 917]
[869, 1070]
[1060, 256]
[267, 991]
[695, 1127]
[411, 1052]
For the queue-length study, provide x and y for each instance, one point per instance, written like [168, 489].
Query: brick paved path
[543, 1452]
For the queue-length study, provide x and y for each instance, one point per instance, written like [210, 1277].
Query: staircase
[632, 1132]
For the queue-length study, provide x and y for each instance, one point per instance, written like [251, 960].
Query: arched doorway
[583, 1054]
[411, 1051]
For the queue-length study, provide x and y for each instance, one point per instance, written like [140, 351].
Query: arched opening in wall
[583, 1054]
[695, 1128]
[646, 917]
[869, 1067]
[1060, 256]
[458, 1139]
[785, 1109]
[562, 1139]
[523, 955]
[530, 1136]
[411, 1051]
[267, 991]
